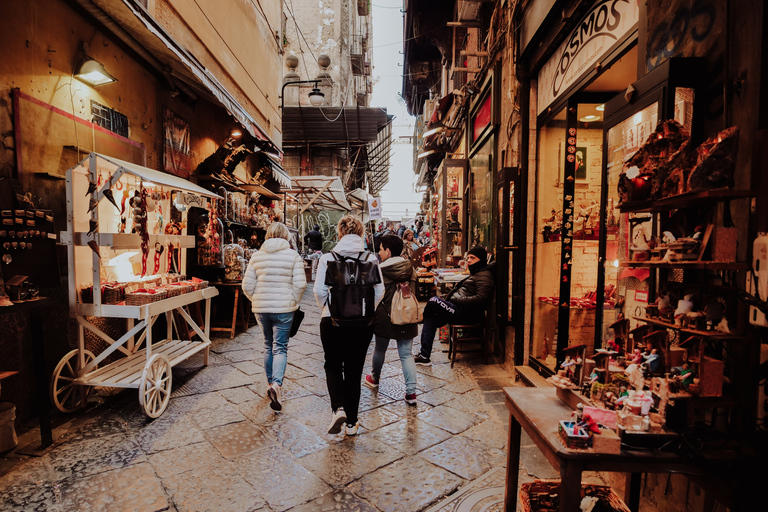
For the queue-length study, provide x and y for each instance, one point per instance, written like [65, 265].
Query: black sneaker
[421, 360]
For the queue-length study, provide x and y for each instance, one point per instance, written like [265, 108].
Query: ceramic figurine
[653, 360]
[684, 306]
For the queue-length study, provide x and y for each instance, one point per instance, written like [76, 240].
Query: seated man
[465, 304]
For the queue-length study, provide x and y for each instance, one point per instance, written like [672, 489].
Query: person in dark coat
[394, 269]
[466, 303]
[314, 240]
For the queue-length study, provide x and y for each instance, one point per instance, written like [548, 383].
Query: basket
[183, 287]
[544, 496]
[171, 290]
[140, 298]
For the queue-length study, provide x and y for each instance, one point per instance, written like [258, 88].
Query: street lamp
[316, 96]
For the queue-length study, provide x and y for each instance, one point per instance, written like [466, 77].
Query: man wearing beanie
[466, 303]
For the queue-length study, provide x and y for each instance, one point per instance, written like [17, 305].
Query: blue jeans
[276, 328]
[404, 348]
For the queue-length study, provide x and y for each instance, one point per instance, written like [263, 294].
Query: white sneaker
[338, 419]
[352, 429]
[274, 397]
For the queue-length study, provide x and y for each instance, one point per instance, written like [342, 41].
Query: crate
[544, 496]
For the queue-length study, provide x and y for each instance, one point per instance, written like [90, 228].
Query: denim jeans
[437, 313]
[404, 348]
[276, 328]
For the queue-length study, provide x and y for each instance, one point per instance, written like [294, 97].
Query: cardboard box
[606, 442]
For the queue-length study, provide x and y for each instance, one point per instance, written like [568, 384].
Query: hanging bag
[405, 307]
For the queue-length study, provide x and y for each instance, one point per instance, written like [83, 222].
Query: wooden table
[538, 411]
[241, 306]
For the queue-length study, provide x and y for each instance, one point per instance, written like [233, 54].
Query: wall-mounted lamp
[236, 133]
[93, 73]
[316, 96]
[440, 129]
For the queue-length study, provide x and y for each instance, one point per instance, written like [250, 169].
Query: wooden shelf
[706, 265]
[684, 200]
[693, 332]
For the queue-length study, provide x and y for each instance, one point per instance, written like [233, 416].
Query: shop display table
[241, 305]
[35, 308]
[538, 411]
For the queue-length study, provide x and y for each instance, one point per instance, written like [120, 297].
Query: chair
[473, 334]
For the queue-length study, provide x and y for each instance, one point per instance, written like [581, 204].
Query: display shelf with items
[451, 211]
[109, 244]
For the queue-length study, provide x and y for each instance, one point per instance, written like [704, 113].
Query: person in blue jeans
[466, 303]
[274, 282]
[394, 269]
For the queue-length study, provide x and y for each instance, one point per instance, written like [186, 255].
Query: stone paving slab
[238, 395]
[212, 378]
[352, 458]
[279, 479]
[184, 458]
[410, 484]
[378, 417]
[447, 418]
[492, 432]
[213, 487]
[336, 501]
[295, 437]
[237, 439]
[90, 456]
[168, 432]
[132, 488]
[437, 396]
[465, 457]
[410, 435]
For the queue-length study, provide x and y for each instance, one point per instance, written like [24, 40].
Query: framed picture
[581, 163]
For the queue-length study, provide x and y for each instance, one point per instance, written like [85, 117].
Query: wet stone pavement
[220, 447]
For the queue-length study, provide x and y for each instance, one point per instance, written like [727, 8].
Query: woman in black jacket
[466, 303]
[394, 269]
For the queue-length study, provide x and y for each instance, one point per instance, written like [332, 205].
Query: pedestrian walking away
[345, 342]
[274, 282]
[313, 241]
[466, 303]
[395, 270]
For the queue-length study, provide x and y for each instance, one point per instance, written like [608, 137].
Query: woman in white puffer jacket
[274, 282]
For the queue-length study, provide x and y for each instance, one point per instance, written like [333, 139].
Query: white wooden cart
[147, 363]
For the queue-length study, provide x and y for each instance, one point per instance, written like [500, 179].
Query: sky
[398, 197]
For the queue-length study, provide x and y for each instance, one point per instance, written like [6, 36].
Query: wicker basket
[141, 298]
[171, 290]
[543, 496]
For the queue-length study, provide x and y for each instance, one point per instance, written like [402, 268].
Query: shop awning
[262, 191]
[113, 165]
[278, 173]
[153, 43]
[332, 125]
[318, 193]
[359, 195]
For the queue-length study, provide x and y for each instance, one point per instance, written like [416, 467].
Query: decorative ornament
[91, 187]
[108, 195]
[93, 224]
[92, 204]
[94, 247]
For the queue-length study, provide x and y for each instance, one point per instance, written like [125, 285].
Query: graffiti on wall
[327, 220]
[690, 28]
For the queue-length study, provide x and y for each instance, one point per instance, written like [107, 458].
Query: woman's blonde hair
[348, 225]
[277, 230]
[407, 232]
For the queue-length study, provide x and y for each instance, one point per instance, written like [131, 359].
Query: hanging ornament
[158, 251]
[108, 195]
[118, 185]
[93, 225]
[171, 263]
[126, 195]
[100, 180]
[92, 204]
[91, 187]
[121, 226]
[94, 247]
[141, 224]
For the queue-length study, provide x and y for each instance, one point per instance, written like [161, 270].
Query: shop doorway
[568, 271]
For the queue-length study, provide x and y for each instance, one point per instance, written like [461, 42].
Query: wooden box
[573, 436]
[711, 376]
[606, 442]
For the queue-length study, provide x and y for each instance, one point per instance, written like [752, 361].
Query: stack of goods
[145, 296]
[667, 164]
[111, 293]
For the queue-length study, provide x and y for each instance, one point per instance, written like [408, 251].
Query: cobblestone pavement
[220, 447]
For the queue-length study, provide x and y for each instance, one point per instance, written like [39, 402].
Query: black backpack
[351, 298]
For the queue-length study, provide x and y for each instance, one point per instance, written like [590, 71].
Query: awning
[359, 195]
[318, 193]
[278, 172]
[262, 191]
[331, 125]
[113, 165]
[147, 37]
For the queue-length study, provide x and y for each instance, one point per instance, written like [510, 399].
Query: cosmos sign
[594, 36]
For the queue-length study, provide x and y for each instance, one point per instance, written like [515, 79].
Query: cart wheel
[65, 394]
[155, 385]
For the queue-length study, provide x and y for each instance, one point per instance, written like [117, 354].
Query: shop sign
[592, 38]
[191, 200]
[374, 208]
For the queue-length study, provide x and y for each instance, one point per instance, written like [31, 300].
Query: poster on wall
[176, 142]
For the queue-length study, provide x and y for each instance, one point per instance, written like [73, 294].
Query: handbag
[405, 307]
[298, 316]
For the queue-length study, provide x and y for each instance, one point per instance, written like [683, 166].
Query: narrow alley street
[220, 447]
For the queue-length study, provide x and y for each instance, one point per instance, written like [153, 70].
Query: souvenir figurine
[684, 306]
[653, 360]
[578, 413]
[589, 424]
